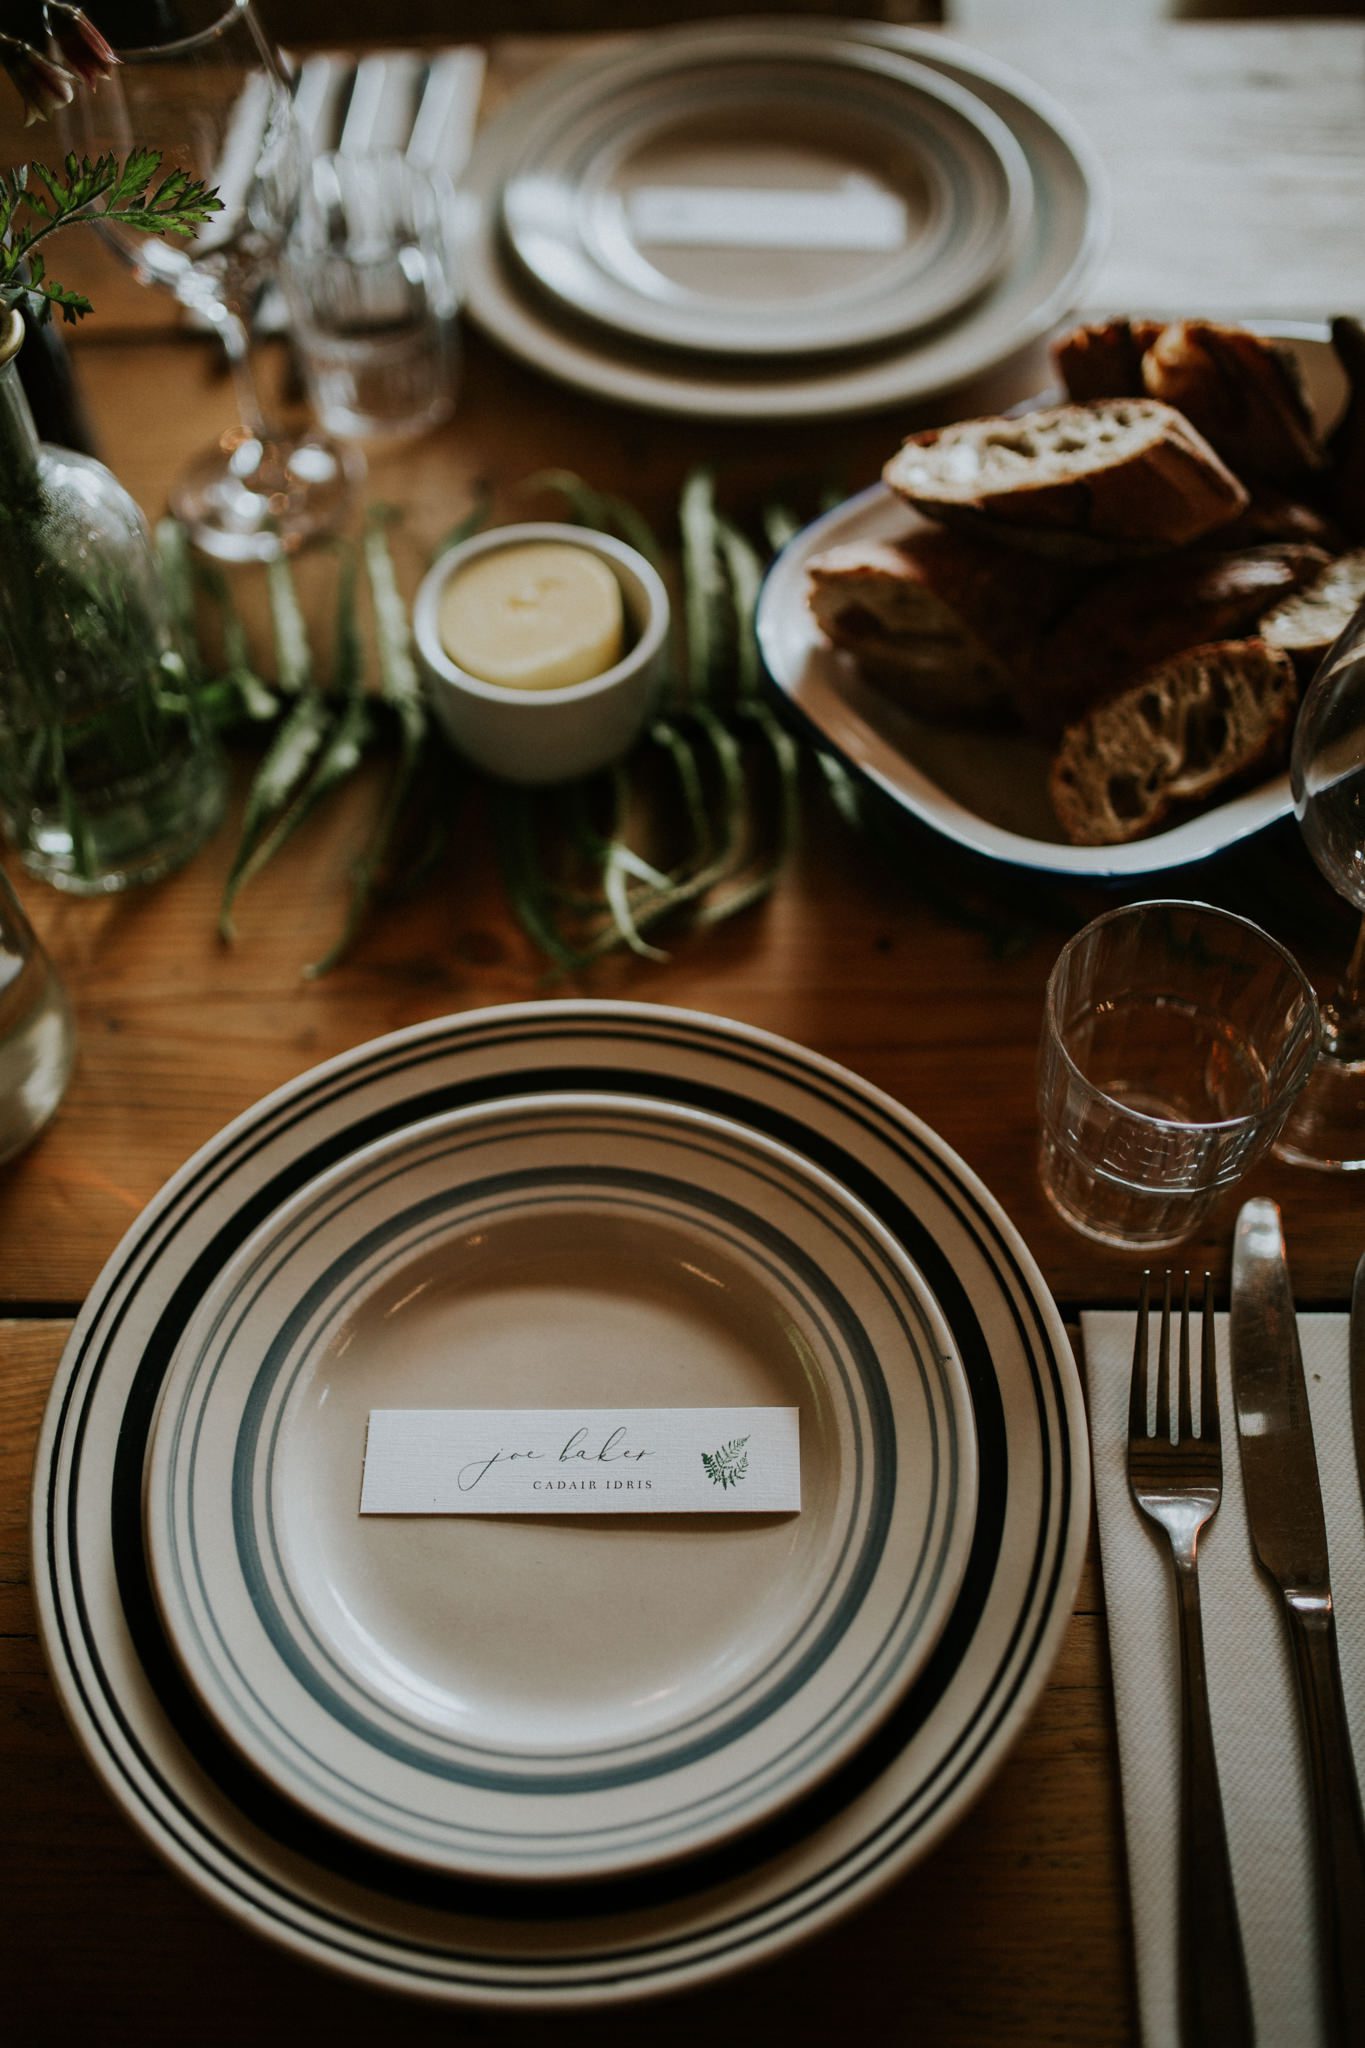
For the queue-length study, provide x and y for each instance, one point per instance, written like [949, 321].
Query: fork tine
[1163, 1363]
[1184, 1427]
[1137, 1390]
[1208, 1375]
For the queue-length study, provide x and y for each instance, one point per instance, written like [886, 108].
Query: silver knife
[1358, 1372]
[1284, 1509]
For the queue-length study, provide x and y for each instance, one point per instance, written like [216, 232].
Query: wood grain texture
[919, 969]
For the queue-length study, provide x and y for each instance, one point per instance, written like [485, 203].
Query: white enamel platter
[768, 197]
[1032, 292]
[257, 1854]
[551, 1697]
[986, 791]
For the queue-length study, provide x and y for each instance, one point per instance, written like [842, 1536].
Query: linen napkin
[1262, 1767]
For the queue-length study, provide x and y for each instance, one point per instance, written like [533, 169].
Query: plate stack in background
[741, 222]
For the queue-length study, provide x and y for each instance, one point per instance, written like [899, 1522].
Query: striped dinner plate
[766, 196]
[1052, 238]
[553, 1696]
[260, 1855]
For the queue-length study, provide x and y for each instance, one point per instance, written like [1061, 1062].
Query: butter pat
[541, 615]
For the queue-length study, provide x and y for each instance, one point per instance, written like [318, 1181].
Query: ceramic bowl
[537, 736]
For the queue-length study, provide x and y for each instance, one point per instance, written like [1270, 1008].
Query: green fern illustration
[727, 1466]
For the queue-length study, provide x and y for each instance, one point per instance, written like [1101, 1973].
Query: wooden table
[1237, 157]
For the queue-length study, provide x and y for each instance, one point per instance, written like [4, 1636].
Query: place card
[582, 1461]
[855, 215]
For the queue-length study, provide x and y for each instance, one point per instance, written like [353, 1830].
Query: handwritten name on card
[582, 1461]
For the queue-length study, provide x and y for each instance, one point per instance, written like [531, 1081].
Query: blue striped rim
[392, 1174]
[919, 1590]
[321, 1296]
[228, 1873]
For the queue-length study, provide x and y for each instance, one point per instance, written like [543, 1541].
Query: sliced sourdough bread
[1304, 627]
[942, 621]
[1124, 471]
[1103, 359]
[1274, 515]
[1242, 391]
[1183, 730]
[1133, 618]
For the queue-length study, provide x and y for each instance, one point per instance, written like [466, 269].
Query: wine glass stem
[1343, 1014]
[237, 346]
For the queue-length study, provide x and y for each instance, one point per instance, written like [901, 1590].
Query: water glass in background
[1175, 1039]
[37, 1038]
[372, 285]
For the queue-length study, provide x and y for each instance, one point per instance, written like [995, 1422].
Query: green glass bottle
[108, 774]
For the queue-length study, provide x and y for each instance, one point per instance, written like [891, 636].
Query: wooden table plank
[874, 957]
[1246, 134]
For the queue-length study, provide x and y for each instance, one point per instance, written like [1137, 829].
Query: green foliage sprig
[693, 826]
[727, 1466]
[697, 823]
[37, 201]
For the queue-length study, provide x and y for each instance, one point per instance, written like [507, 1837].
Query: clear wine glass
[204, 84]
[1327, 1125]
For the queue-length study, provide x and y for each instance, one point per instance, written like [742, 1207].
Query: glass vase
[37, 1036]
[108, 773]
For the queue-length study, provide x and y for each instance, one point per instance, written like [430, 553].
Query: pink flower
[80, 42]
[42, 85]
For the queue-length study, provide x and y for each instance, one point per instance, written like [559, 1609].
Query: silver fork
[1177, 1480]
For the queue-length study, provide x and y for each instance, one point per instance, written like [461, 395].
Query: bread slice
[1274, 515]
[941, 620]
[1116, 470]
[1133, 618]
[1178, 733]
[1306, 626]
[1242, 391]
[1103, 359]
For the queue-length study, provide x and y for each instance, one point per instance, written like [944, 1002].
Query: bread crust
[1103, 358]
[1242, 392]
[1126, 470]
[941, 619]
[1128, 621]
[1306, 625]
[1208, 719]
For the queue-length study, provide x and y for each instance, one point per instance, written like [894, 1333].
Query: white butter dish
[547, 735]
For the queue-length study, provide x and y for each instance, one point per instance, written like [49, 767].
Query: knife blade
[1357, 1371]
[1284, 1510]
[1279, 1469]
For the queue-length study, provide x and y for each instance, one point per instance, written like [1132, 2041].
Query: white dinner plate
[767, 197]
[985, 789]
[546, 1696]
[1030, 295]
[257, 1854]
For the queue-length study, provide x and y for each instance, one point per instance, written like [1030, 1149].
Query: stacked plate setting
[539, 1760]
[738, 221]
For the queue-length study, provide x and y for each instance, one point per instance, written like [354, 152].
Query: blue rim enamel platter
[259, 1855]
[985, 790]
[544, 1697]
